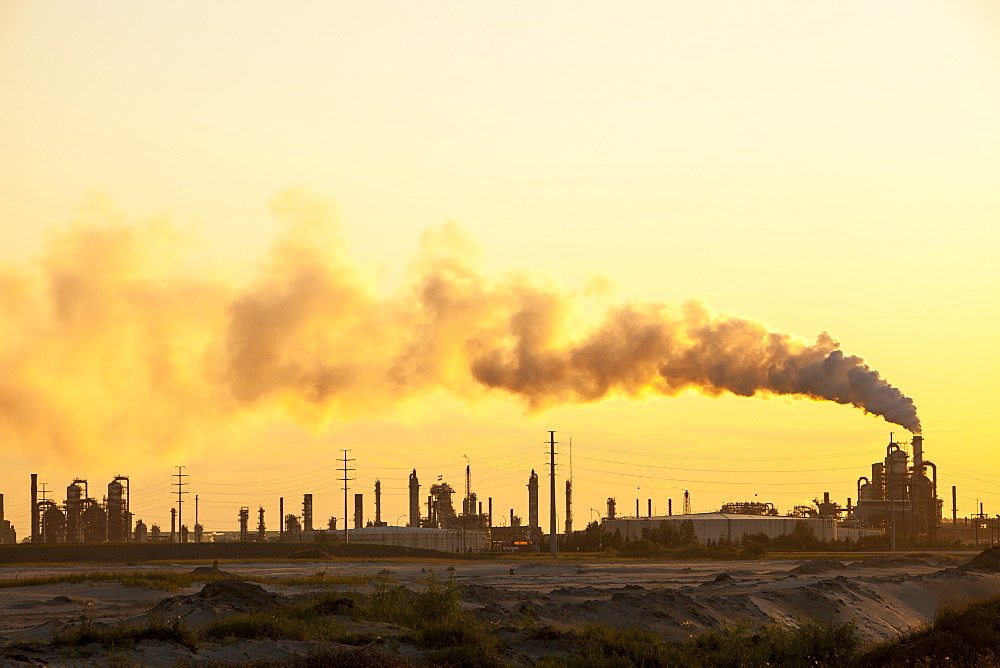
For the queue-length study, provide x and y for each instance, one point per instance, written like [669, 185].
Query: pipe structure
[933, 478]
[867, 481]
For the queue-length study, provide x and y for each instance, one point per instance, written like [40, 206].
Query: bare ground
[883, 597]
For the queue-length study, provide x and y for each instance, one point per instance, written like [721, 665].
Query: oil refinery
[898, 501]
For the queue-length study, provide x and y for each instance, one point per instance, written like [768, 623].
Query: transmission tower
[180, 484]
[345, 460]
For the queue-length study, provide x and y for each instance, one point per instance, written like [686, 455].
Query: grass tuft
[125, 636]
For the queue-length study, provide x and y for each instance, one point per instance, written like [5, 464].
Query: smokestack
[954, 505]
[359, 511]
[468, 509]
[1, 508]
[35, 524]
[649, 507]
[533, 499]
[414, 500]
[918, 454]
[281, 519]
[491, 511]
[378, 503]
[670, 507]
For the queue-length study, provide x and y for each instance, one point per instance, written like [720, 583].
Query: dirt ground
[884, 596]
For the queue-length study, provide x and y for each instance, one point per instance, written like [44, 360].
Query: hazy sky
[820, 166]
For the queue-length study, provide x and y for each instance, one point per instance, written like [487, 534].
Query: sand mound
[816, 566]
[313, 553]
[720, 578]
[987, 561]
[889, 561]
[215, 599]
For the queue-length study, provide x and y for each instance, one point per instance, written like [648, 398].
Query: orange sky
[815, 167]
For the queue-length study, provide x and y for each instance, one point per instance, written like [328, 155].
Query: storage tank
[140, 532]
[95, 524]
[53, 525]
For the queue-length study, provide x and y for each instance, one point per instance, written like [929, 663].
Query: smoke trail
[117, 337]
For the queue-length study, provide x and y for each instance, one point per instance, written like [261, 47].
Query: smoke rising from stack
[118, 336]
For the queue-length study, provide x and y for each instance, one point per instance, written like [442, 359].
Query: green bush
[639, 548]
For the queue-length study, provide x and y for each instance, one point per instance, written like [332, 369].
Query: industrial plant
[898, 501]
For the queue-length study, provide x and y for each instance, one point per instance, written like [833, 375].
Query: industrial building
[444, 540]
[81, 518]
[728, 526]
[7, 534]
[899, 498]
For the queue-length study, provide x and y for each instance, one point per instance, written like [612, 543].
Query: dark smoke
[117, 337]
[653, 348]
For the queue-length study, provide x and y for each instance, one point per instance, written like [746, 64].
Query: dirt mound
[987, 561]
[889, 561]
[216, 599]
[721, 577]
[313, 553]
[817, 566]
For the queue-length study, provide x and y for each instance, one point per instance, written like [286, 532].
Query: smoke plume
[119, 336]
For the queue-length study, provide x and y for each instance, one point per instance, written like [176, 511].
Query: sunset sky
[217, 217]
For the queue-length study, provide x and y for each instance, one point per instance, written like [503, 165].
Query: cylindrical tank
[53, 525]
[140, 532]
[73, 494]
[896, 462]
[95, 524]
[867, 492]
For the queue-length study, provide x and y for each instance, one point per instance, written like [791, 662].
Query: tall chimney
[378, 503]
[35, 523]
[533, 499]
[281, 519]
[918, 454]
[414, 500]
[359, 511]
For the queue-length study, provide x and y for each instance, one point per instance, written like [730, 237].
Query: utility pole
[180, 475]
[553, 543]
[345, 460]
